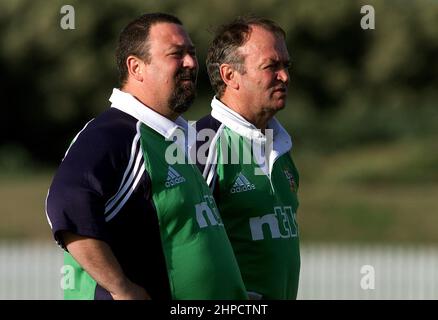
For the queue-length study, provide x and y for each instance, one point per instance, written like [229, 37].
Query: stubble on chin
[183, 97]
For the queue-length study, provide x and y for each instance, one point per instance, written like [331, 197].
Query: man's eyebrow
[274, 60]
[182, 46]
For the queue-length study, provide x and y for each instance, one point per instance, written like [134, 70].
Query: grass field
[384, 193]
[380, 194]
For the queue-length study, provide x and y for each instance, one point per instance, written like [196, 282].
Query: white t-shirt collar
[130, 105]
[282, 141]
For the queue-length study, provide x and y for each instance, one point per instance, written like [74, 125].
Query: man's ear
[229, 75]
[135, 67]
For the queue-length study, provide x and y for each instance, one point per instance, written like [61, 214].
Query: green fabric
[83, 286]
[199, 256]
[268, 252]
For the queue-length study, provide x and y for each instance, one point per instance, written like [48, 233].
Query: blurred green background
[362, 107]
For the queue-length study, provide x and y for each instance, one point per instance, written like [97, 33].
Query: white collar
[281, 144]
[130, 105]
[234, 121]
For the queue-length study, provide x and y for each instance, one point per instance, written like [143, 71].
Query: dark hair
[133, 40]
[228, 38]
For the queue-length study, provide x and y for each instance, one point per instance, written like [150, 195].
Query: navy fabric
[89, 176]
[207, 122]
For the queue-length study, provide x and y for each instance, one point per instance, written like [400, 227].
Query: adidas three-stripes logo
[241, 184]
[173, 178]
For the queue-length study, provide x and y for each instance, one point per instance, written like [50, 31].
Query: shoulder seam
[76, 137]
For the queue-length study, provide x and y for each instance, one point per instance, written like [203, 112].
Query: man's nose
[190, 61]
[283, 76]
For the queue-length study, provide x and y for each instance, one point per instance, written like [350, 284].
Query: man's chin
[278, 101]
[183, 107]
[280, 105]
[183, 102]
[187, 85]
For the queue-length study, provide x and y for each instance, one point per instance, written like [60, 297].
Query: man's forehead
[170, 34]
[264, 45]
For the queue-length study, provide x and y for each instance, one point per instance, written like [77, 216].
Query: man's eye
[177, 53]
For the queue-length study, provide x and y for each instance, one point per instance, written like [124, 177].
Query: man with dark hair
[134, 223]
[256, 191]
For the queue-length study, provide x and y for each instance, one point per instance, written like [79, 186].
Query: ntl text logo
[207, 214]
[281, 223]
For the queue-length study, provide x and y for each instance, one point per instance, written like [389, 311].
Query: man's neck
[259, 120]
[151, 103]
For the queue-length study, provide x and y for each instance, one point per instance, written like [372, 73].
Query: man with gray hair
[256, 191]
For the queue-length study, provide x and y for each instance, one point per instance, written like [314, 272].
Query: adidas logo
[173, 178]
[242, 184]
